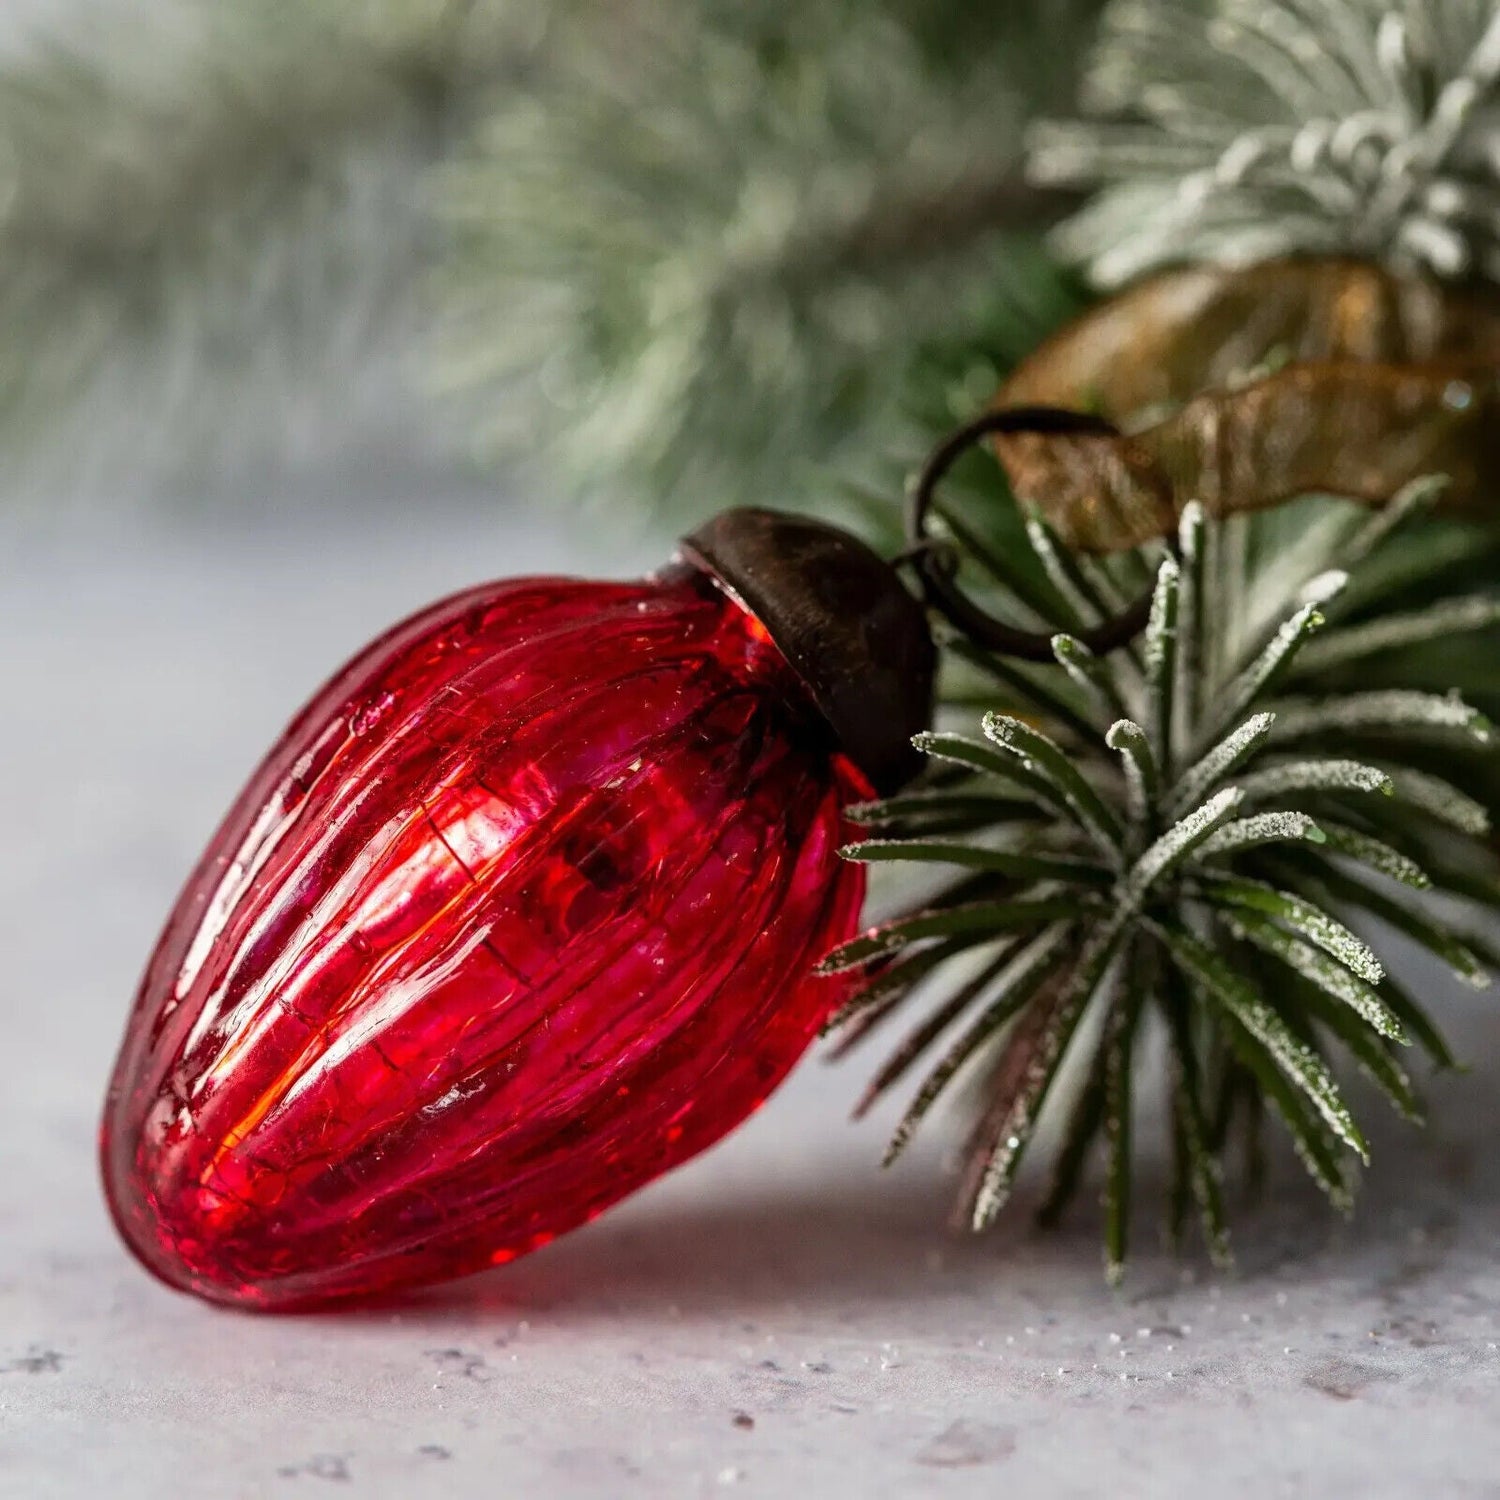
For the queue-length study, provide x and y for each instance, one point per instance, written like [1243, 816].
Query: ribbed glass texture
[519, 913]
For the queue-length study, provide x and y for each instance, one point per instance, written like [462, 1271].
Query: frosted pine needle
[1451, 617]
[1382, 714]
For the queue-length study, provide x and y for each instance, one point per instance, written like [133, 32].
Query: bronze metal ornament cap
[845, 622]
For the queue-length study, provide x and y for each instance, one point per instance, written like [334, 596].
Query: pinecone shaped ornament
[520, 913]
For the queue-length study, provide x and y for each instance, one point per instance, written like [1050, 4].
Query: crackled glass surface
[518, 914]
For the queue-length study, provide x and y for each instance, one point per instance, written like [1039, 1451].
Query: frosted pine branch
[1273, 127]
[222, 210]
[1232, 911]
[734, 235]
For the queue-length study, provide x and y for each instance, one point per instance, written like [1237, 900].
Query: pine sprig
[1240, 130]
[219, 206]
[1212, 861]
[718, 252]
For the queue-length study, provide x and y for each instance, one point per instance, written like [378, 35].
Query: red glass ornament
[518, 914]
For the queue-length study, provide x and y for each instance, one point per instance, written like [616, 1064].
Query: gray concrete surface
[777, 1319]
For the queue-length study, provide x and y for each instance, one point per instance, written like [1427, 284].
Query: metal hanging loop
[937, 565]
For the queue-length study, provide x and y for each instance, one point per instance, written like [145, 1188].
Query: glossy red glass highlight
[519, 914]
